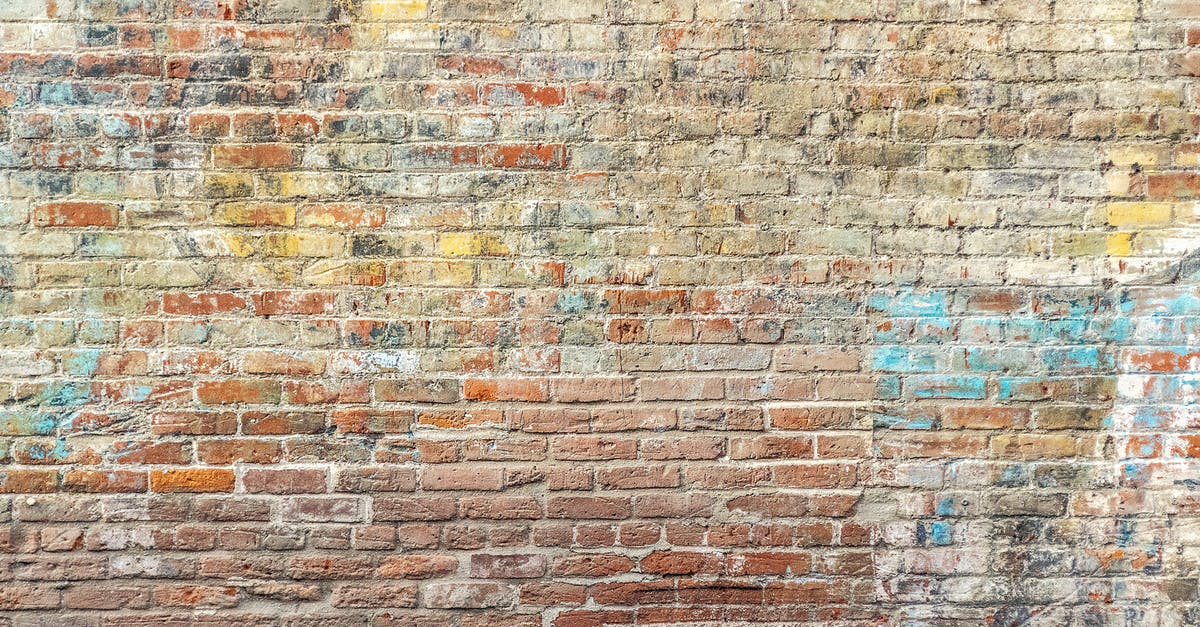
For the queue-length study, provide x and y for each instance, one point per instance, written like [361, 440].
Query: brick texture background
[599, 312]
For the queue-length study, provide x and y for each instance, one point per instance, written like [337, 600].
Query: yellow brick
[239, 245]
[1122, 183]
[471, 244]
[255, 214]
[440, 273]
[301, 245]
[393, 10]
[367, 36]
[1120, 244]
[1139, 213]
[337, 272]
[1187, 154]
[310, 184]
[944, 94]
[1079, 244]
[1143, 155]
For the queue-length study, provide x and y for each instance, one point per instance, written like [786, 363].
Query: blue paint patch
[1037, 330]
[909, 303]
[1013, 476]
[1076, 358]
[988, 359]
[1125, 529]
[572, 302]
[28, 422]
[1022, 388]
[65, 393]
[101, 245]
[947, 386]
[57, 94]
[40, 451]
[139, 393]
[892, 421]
[82, 361]
[114, 126]
[887, 388]
[1180, 301]
[905, 359]
[1174, 386]
[97, 331]
[946, 506]
[1113, 329]
[1148, 418]
[941, 533]
[1133, 473]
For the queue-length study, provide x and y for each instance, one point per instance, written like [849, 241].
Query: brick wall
[599, 312]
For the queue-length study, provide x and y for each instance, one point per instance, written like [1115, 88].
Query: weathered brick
[191, 480]
[591, 312]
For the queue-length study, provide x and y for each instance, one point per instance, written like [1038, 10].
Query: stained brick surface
[599, 312]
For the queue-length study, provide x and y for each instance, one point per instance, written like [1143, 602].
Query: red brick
[18, 481]
[374, 595]
[462, 478]
[284, 481]
[508, 566]
[500, 507]
[416, 566]
[592, 565]
[506, 389]
[75, 214]
[238, 391]
[524, 156]
[191, 480]
[587, 507]
[294, 303]
[105, 481]
[522, 94]
[254, 156]
[196, 596]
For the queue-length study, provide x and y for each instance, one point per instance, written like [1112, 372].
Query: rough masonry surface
[599, 312]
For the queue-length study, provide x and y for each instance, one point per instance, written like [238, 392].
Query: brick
[462, 478]
[255, 214]
[202, 304]
[76, 214]
[18, 481]
[238, 391]
[105, 481]
[420, 508]
[473, 312]
[196, 596]
[521, 94]
[682, 563]
[416, 566]
[484, 566]
[374, 595]
[524, 156]
[191, 480]
[329, 567]
[230, 451]
[587, 507]
[467, 595]
[256, 156]
[500, 508]
[284, 481]
[294, 303]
